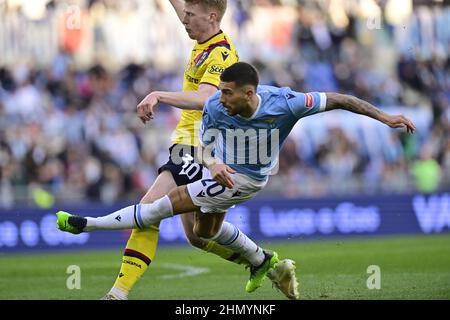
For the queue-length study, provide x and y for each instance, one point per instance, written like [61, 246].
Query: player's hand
[145, 107]
[221, 173]
[400, 121]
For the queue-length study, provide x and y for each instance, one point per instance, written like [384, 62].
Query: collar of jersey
[210, 39]
[256, 111]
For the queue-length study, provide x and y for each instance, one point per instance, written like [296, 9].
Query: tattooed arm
[356, 105]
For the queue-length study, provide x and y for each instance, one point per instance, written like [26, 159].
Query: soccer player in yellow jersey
[212, 53]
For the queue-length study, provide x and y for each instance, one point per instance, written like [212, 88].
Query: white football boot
[283, 278]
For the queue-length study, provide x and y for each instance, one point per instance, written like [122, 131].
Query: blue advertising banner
[24, 229]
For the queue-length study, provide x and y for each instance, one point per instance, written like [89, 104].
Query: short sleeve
[306, 104]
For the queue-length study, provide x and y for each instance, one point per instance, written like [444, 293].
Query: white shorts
[211, 197]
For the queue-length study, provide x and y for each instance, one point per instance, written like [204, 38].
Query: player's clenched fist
[145, 107]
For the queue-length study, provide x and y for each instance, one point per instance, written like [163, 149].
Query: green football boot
[258, 274]
[70, 223]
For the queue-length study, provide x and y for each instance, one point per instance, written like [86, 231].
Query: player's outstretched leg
[283, 277]
[138, 216]
[258, 273]
[70, 223]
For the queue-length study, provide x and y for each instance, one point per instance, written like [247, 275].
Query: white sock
[122, 295]
[136, 216]
[159, 210]
[231, 237]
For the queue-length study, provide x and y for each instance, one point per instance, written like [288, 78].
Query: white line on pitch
[187, 270]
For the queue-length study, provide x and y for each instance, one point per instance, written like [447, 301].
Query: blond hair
[219, 5]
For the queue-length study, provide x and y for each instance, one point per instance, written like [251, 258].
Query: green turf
[411, 268]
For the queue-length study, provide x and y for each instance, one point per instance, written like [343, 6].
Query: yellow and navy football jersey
[208, 60]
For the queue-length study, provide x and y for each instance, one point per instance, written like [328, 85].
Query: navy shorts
[183, 164]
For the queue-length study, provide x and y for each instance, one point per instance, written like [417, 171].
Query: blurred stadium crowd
[68, 122]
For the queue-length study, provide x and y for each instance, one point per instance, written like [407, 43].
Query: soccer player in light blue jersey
[243, 128]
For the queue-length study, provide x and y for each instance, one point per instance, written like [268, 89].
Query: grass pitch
[413, 267]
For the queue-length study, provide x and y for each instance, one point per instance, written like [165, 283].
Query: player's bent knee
[196, 241]
[204, 233]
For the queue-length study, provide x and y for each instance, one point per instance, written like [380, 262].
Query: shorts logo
[236, 194]
[202, 194]
[309, 100]
[214, 69]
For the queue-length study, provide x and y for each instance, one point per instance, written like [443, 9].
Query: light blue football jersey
[251, 145]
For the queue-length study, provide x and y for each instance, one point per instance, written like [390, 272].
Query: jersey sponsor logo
[201, 58]
[309, 100]
[215, 69]
[191, 79]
